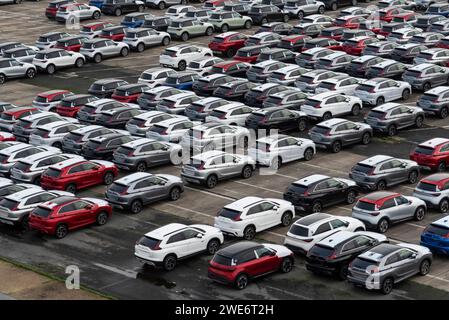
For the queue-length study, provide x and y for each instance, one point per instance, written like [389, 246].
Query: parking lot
[105, 255]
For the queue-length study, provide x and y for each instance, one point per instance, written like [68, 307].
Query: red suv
[48, 100]
[75, 174]
[433, 154]
[232, 68]
[409, 16]
[387, 14]
[228, 43]
[294, 42]
[115, 33]
[69, 106]
[242, 261]
[356, 45]
[58, 216]
[72, 43]
[335, 33]
[129, 93]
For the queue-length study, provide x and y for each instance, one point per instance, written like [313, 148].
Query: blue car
[135, 19]
[436, 236]
[96, 3]
[181, 80]
[441, 9]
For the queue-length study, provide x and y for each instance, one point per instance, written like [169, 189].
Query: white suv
[329, 104]
[307, 231]
[154, 77]
[178, 57]
[51, 134]
[234, 113]
[170, 130]
[434, 191]
[168, 244]
[245, 217]
[204, 65]
[52, 59]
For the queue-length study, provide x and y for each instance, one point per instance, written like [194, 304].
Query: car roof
[39, 115]
[133, 177]
[386, 63]
[312, 219]
[438, 90]
[380, 251]
[226, 34]
[162, 232]
[443, 222]
[56, 202]
[86, 129]
[107, 80]
[386, 106]
[138, 142]
[436, 178]
[67, 163]
[314, 178]
[376, 196]
[434, 142]
[172, 121]
[181, 95]
[38, 156]
[55, 124]
[375, 160]
[238, 247]
[207, 155]
[272, 138]
[332, 122]
[421, 66]
[336, 238]
[19, 196]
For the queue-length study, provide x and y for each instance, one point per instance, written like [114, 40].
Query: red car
[349, 22]
[443, 43]
[115, 33]
[228, 43]
[94, 29]
[60, 215]
[242, 261]
[232, 68]
[214, 4]
[129, 93]
[75, 174]
[69, 106]
[387, 14]
[433, 154]
[355, 46]
[53, 7]
[408, 16]
[6, 136]
[72, 43]
[249, 54]
[335, 33]
[293, 42]
[9, 117]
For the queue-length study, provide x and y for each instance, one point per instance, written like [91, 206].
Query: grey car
[140, 154]
[435, 102]
[262, 70]
[140, 124]
[288, 99]
[74, 141]
[335, 133]
[391, 117]
[11, 68]
[89, 113]
[426, 76]
[209, 167]
[380, 172]
[21, 54]
[98, 49]
[308, 58]
[388, 264]
[149, 99]
[138, 189]
[140, 38]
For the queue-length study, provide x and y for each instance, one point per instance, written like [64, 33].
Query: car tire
[413, 177]
[212, 246]
[181, 65]
[79, 63]
[351, 196]
[317, 207]
[441, 166]
[383, 225]
[405, 94]
[108, 178]
[336, 146]
[124, 52]
[247, 172]
[249, 233]
[444, 205]
[287, 219]
[71, 188]
[140, 47]
[276, 163]
[98, 58]
[224, 28]
[141, 167]
[166, 41]
[96, 15]
[286, 265]
[356, 110]
[136, 206]
[61, 231]
[241, 281]
[118, 12]
[102, 218]
[300, 15]
[424, 267]
[343, 272]
[161, 5]
[321, 10]
[211, 181]
[334, 6]
[380, 101]
[387, 286]
[169, 262]
[248, 24]
[30, 73]
[174, 194]
[366, 138]
[51, 69]
[308, 154]
[302, 125]
[209, 31]
[230, 53]
[444, 112]
[2, 78]
[381, 185]
[264, 21]
[419, 121]
[392, 131]
[141, 8]
[426, 86]
[327, 116]
[420, 213]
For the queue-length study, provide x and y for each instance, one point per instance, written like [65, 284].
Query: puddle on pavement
[154, 279]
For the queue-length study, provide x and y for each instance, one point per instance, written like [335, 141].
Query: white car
[329, 104]
[170, 243]
[52, 59]
[170, 130]
[51, 134]
[49, 40]
[275, 150]
[178, 57]
[75, 12]
[178, 11]
[154, 77]
[234, 113]
[177, 103]
[377, 91]
[140, 124]
[203, 66]
[340, 84]
[249, 215]
[403, 35]
[307, 231]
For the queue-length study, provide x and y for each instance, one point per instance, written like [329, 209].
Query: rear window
[321, 251]
[41, 132]
[436, 229]
[158, 128]
[363, 264]
[428, 96]
[362, 168]
[118, 187]
[229, 213]
[9, 204]
[169, 53]
[54, 173]
[306, 56]
[42, 212]
[225, 261]
[427, 186]
[124, 150]
[196, 165]
[424, 150]
[218, 114]
[149, 242]
[299, 231]
[74, 136]
[6, 116]
[313, 103]
[368, 206]
[376, 114]
[305, 79]
[218, 40]
[297, 188]
[22, 166]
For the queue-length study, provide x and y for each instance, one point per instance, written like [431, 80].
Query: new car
[435, 236]
[177, 103]
[53, 59]
[426, 75]
[52, 8]
[307, 29]
[51, 134]
[257, 95]
[114, 33]
[377, 91]
[150, 98]
[282, 120]
[203, 66]
[223, 21]
[278, 54]
[135, 20]
[309, 81]
[70, 105]
[428, 39]
[129, 93]
[157, 23]
[141, 38]
[181, 80]
[48, 40]
[9, 117]
[118, 7]
[425, 21]
[74, 12]
[403, 36]
[234, 114]
[308, 58]
[205, 86]
[343, 84]
[142, 122]
[288, 99]
[435, 102]
[355, 46]
[293, 42]
[94, 29]
[301, 8]
[170, 130]
[438, 56]
[179, 56]
[200, 109]
[337, 61]
[267, 39]
[262, 14]
[320, 42]
[407, 52]
[156, 76]
[74, 141]
[89, 113]
[386, 69]
[72, 43]
[186, 28]
[249, 54]
[11, 68]
[117, 117]
[287, 75]
[103, 147]
[233, 68]
[99, 49]
[282, 28]
[434, 191]
[227, 43]
[262, 70]
[432, 154]
[21, 54]
[104, 88]
[329, 104]
[234, 90]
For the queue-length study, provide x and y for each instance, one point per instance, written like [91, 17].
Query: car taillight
[201, 166]
[328, 133]
[264, 120]
[27, 126]
[318, 106]
[371, 172]
[374, 213]
[375, 270]
[156, 246]
[164, 133]
[223, 116]
[307, 240]
[124, 192]
[332, 256]
[237, 218]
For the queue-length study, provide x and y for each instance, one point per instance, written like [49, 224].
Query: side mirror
[199, 235]
[162, 183]
[275, 208]
[413, 256]
[358, 127]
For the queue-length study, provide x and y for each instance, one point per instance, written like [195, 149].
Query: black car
[335, 4]
[277, 27]
[234, 90]
[205, 86]
[293, 42]
[262, 14]
[333, 254]
[387, 69]
[275, 118]
[157, 23]
[117, 117]
[104, 88]
[278, 3]
[358, 67]
[257, 95]
[231, 68]
[313, 193]
[240, 8]
[118, 7]
[103, 147]
[278, 54]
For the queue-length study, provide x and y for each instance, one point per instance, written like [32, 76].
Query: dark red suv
[432, 154]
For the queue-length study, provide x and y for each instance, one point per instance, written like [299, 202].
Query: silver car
[300, 8]
[149, 99]
[156, 76]
[140, 38]
[170, 130]
[21, 54]
[289, 99]
[92, 110]
[51, 134]
[176, 104]
[138, 189]
[209, 167]
[287, 75]
[260, 72]
[140, 124]
[99, 49]
[11, 68]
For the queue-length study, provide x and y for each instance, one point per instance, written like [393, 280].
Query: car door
[151, 189]
[91, 174]
[269, 214]
[11, 68]
[231, 165]
[403, 209]
[351, 133]
[248, 262]
[277, 121]
[266, 260]
[65, 59]
[401, 264]
[68, 214]
[396, 172]
[178, 244]
[84, 213]
[153, 153]
[407, 116]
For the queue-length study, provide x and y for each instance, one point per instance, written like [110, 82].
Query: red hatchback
[432, 154]
[69, 106]
[228, 43]
[72, 43]
[60, 215]
[129, 93]
[356, 45]
[74, 174]
[242, 261]
[115, 33]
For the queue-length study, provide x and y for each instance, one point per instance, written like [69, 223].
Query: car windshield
[42, 212]
[229, 213]
[368, 206]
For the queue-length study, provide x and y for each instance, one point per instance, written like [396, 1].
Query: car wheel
[211, 181]
[383, 225]
[141, 167]
[25, 222]
[287, 219]
[381, 185]
[424, 267]
[264, 21]
[136, 206]
[71, 188]
[420, 213]
[209, 31]
[175, 194]
[51, 69]
[224, 28]
[118, 12]
[321, 10]
[213, 246]
[405, 94]
[356, 110]
[380, 101]
[2, 78]
[79, 63]
[249, 233]
[31, 73]
[37, 181]
[124, 52]
[276, 163]
[300, 15]
[419, 122]
[98, 58]
[441, 166]
[426, 86]
[334, 6]
[108, 178]
[444, 206]
[141, 8]
[140, 47]
[248, 24]
[317, 207]
[413, 177]
[247, 172]
[181, 65]
[366, 138]
[161, 5]
[102, 218]
[286, 18]
[230, 53]
[327, 116]
[392, 131]
[387, 286]
[444, 113]
[343, 272]
[308, 154]
[61, 231]
[359, 229]
[302, 125]
[286, 265]
[166, 41]
[96, 15]
[169, 262]
[241, 281]
[336, 147]
[351, 196]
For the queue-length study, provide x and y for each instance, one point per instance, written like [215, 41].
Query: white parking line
[127, 273]
[190, 210]
[262, 188]
[211, 193]
[294, 294]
